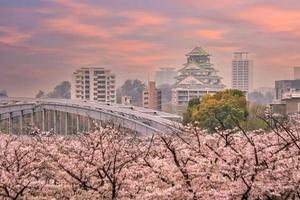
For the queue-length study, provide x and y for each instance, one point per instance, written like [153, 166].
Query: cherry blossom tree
[188, 164]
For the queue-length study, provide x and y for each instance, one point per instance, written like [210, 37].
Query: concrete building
[93, 83]
[165, 76]
[284, 86]
[242, 72]
[152, 97]
[126, 100]
[290, 103]
[296, 73]
[196, 78]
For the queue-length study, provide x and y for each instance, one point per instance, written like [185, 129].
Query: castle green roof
[198, 51]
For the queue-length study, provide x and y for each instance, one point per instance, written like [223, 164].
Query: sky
[43, 41]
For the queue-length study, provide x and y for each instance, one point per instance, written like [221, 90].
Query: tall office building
[242, 72]
[152, 97]
[296, 73]
[165, 76]
[93, 83]
[196, 78]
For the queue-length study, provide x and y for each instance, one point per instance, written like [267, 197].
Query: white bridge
[74, 116]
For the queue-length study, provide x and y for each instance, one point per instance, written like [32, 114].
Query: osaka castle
[196, 78]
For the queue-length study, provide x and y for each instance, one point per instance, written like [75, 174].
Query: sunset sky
[43, 41]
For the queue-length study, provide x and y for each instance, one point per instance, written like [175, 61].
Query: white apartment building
[95, 84]
[242, 72]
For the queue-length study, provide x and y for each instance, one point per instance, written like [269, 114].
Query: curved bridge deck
[61, 114]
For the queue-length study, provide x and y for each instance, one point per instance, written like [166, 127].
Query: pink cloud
[192, 21]
[210, 4]
[12, 36]
[273, 19]
[209, 34]
[74, 27]
[75, 8]
[145, 19]
[136, 20]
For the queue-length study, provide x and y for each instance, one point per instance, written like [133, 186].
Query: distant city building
[165, 76]
[284, 86]
[126, 100]
[3, 93]
[290, 103]
[93, 83]
[196, 78]
[152, 97]
[262, 95]
[296, 73]
[242, 72]
[265, 90]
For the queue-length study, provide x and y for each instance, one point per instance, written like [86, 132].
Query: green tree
[221, 110]
[192, 107]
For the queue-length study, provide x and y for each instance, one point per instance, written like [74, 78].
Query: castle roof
[198, 51]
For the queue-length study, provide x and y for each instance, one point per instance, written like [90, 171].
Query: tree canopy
[61, 91]
[133, 88]
[222, 110]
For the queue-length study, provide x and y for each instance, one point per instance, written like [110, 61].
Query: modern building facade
[290, 103]
[242, 72]
[286, 86]
[165, 76]
[196, 78]
[152, 97]
[95, 84]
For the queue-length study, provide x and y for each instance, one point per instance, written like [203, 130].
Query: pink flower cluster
[192, 164]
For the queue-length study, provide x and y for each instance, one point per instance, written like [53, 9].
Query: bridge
[67, 116]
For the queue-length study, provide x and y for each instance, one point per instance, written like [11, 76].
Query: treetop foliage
[221, 110]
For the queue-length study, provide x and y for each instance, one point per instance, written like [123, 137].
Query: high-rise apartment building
[196, 78]
[152, 97]
[242, 72]
[165, 76]
[95, 84]
[296, 73]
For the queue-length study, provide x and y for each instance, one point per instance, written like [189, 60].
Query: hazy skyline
[43, 42]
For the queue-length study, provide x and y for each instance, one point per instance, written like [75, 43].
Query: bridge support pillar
[10, 124]
[77, 124]
[43, 120]
[0, 124]
[54, 121]
[32, 118]
[66, 123]
[21, 122]
[88, 124]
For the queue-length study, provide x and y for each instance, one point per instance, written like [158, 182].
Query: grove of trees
[188, 164]
[133, 88]
[61, 91]
[221, 110]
